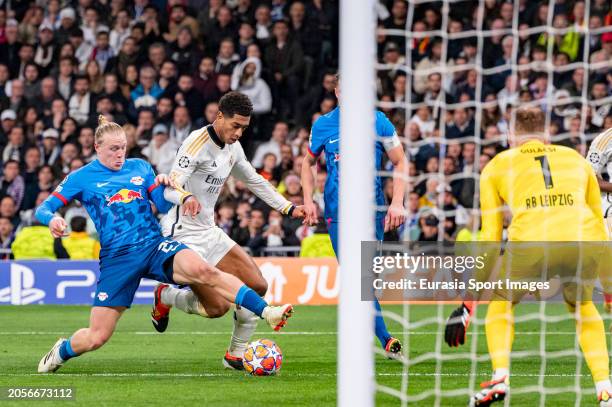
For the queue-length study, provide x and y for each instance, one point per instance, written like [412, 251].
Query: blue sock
[250, 300]
[66, 351]
[380, 328]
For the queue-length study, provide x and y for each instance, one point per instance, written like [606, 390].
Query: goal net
[450, 75]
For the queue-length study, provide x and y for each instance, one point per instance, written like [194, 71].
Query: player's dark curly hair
[235, 103]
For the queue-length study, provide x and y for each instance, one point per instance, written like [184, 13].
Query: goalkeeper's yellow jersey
[551, 191]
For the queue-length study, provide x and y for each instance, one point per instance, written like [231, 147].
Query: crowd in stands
[159, 67]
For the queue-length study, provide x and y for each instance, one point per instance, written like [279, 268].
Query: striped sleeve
[185, 164]
[244, 171]
[600, 151]
[68, 189]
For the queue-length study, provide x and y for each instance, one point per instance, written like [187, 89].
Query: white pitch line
[314, 333]
[481, 374]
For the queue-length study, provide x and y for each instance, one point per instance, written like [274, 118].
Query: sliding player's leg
[218, 249]
[204, 301]
[102, 324]
[119, 279]
[189, 268]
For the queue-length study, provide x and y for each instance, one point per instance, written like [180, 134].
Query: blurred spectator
[44, 182]
[252, 235]
[81, 102]
[284, 58]
[247, 79]
[50, 150]
[8, 209]
[147, 91]
[267, 169]
[121, 30]
[179, 19]
[7, 236]
[11, 183]
[226, 217]
[184, 52]
[162, 150]
[15, 149]
[273, 233]
[78, 244]
[102, 52]
[462, 125]
[263, 23]
[227, 58]
[205, 81]
[33, 242]
[181, 125]
[82, 48]
[93, 72]
[222, 27]
[279, 137]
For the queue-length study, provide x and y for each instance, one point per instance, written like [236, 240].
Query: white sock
[500, 373]
[185, 300]
[603, 385]
[245, 323]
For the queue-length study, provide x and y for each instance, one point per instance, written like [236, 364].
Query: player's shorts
[332, 229]
[211, 244]
[120, 274]
[577, 266]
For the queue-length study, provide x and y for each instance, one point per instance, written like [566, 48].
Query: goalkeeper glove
[457, 325]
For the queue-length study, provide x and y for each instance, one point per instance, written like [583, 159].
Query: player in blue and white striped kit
[116, 193]
[325, 137]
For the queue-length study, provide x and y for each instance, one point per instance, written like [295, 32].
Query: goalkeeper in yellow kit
[553, 195]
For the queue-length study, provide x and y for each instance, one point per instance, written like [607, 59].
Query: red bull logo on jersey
[123, 196]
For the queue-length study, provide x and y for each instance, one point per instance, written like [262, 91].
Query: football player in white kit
[203, 163]
[600, 157]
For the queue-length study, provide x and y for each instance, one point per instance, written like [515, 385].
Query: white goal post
[358, 96]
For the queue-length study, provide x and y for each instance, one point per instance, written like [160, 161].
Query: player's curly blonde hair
[105, 127]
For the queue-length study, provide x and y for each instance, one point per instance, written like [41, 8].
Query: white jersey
[201, 167]
[600, 157]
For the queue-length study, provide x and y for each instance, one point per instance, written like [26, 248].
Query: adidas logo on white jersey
[214, 164]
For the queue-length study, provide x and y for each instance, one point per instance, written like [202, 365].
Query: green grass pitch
[183, 366]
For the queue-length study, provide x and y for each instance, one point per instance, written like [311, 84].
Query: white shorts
[211, 244]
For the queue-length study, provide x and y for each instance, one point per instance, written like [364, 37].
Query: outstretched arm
[244, 171]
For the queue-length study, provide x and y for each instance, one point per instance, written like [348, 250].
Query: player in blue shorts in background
[116, 194]
[325, 137]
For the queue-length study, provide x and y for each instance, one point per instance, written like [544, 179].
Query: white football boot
[277, 317]
[52, 360]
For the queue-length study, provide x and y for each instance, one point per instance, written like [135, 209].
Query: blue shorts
[332, 229]
[120, 274]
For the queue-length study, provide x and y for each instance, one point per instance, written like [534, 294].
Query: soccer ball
[262, 358]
